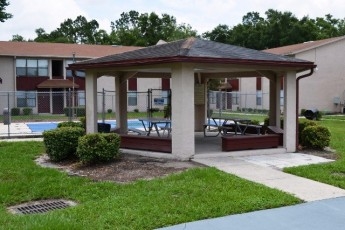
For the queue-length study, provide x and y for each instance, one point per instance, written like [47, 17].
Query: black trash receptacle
[103, 127]
[311, 114]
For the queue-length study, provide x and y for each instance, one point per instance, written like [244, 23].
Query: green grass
[330, 173]
[192, 195]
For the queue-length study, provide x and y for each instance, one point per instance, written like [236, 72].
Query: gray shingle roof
[190, 50]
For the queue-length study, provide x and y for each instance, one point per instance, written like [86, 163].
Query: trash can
[103, 127]
[311, 114]
[7, 116]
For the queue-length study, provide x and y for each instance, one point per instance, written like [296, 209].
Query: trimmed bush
[302, 112]
[267, 121]
[255, 122]
[27, 111]
[83, 122]
[315, 137]
[98, 147]
[15, 111]
[301, 126]
[79, 111]
[70, 124]
[62, 143]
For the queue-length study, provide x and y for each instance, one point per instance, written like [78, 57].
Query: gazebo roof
[193, 50]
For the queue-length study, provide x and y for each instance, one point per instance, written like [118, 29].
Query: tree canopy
[79, 31]
[147, 29]
[132, 28]
[3, 15]
[276, 29]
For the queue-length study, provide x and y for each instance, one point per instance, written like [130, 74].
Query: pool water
[39, 127]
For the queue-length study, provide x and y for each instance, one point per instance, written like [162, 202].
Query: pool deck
[15, 130]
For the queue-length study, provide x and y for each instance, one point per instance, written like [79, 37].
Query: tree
[221, 33]
[277, 29]
[3, 15]
[78, 31]
[17, 38]
[146, 29]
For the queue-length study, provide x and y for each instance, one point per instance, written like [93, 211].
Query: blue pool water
[38, 127]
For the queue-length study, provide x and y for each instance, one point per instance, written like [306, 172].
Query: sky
[202, 15]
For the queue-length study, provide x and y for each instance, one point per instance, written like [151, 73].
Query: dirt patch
[126, 169]
[327, 153]
[133, 167]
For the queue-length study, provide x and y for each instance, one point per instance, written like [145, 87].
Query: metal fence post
[103, 105]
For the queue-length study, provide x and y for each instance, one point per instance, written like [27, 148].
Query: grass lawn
[330, 173]
[192, 195]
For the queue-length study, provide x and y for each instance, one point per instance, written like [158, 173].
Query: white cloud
[202, 15]
[29, 15]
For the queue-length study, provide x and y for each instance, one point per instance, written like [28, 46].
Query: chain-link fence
[151, 103]
[56, 106]
[220, 101]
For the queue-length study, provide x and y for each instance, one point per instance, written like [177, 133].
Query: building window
[69, 72]
[32, 67]
[212, 95]
[165, 96]
[259, 97]
[26, 99]
[81, 98]
[132, 98]
[235, 98]
[281, 97]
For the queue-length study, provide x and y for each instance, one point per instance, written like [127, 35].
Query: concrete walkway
[266, 169]
[324, 210]
[317, 215]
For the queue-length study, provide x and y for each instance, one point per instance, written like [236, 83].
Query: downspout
[297, 102]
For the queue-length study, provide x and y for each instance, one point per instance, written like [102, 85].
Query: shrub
[319, 116]
[79, 111]
[255, 122]
[62, 143]
[267, 121]
[136, 110]
[109, 110]
[302, 112]
[70, 124]
[83, 122]
[27, 111]
[153, 110]
[98, 147]
[15, 111]
[301, 126]
[315, 137]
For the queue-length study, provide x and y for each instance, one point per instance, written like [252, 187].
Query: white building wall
[327, 84]
[7, 74]
[247, 91]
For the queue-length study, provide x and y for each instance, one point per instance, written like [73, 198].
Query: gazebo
[190, 63]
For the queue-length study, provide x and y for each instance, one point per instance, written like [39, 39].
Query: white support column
[273, 102]
[121, 104]
[277, 106]
[290, 111]
[91, 102]
[183, 140]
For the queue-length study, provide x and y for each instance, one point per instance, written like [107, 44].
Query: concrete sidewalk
[325, 209]
[317, 215]
[266, 170]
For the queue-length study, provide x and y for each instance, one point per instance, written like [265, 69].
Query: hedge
[62, 143]
[98, 147]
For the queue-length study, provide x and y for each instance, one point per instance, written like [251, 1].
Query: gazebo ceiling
[207, 57]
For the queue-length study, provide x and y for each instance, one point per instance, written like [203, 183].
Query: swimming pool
[39, 127]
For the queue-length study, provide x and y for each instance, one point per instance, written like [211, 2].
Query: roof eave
[176, 59]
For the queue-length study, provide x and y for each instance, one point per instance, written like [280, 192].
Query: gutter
[297, 101]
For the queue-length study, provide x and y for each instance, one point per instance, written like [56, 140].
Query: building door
[43, 103]
[58, 102]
